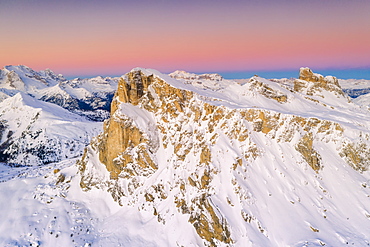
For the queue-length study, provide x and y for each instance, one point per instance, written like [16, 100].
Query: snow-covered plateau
[183, 160]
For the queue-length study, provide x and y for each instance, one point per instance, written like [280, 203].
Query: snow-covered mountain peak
[46, 76]
[9, 79]
[230, 162]
[22, 69]
[25, 79]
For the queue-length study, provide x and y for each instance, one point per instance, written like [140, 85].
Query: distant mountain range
[87, 97]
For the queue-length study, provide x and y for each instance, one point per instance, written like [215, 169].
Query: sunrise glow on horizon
[112, 37]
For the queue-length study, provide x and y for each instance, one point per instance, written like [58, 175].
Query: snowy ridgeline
[205, 162]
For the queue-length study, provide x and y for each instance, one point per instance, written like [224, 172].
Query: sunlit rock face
[311, 83]
[218, 155]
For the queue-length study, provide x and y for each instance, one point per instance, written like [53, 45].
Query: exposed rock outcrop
[168, 144]
[311, 83]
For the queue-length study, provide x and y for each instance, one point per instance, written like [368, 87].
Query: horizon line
[348, 73]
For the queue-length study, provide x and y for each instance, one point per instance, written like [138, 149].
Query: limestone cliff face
[121, 137]
[167, 144]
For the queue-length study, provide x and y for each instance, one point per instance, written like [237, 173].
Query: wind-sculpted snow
[260, 163]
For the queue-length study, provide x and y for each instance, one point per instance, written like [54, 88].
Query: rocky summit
[205, 161]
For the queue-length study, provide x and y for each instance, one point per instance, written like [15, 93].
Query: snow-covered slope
[363, 100]
[33, 132]
[205, 161]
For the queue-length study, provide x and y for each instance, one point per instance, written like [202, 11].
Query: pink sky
[112, 37]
